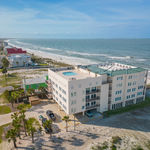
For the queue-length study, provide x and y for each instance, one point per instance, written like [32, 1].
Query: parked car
[47, 130]
[40, 117]
[89, 113]
[50, 115]
[43, 120]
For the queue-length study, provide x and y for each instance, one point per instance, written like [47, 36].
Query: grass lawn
[128, 108]
[4, 109]
[2, 130]
[3, 99]
[12, 78]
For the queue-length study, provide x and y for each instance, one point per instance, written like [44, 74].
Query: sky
[75, 18]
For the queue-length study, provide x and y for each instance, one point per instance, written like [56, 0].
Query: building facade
[100, 87]
[19, 60]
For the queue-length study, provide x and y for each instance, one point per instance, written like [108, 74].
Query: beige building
[99, 87]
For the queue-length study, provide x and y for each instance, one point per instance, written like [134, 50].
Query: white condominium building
[99, 87]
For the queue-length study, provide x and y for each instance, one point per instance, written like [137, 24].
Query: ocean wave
[85, 54]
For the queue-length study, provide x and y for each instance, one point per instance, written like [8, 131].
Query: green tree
[12, 136]
[48, 124]
[42, 91]
[66, 119]
[4, 71]
[16, 122]
[15, 95]
[32, 127]
[30, 91]
[5, 62]
[11, 100]
[22, 109]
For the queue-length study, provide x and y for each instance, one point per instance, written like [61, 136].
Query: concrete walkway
[2, 89]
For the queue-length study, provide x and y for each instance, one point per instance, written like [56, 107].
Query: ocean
[84, 51]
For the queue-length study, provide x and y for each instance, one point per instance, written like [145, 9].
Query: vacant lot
[133, 127]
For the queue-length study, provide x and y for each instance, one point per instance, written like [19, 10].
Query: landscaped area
[2, 131]
[4, 109]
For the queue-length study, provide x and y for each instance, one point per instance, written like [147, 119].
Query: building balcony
[92, 99]
[104, 82]
[92, 107]
[93, 91]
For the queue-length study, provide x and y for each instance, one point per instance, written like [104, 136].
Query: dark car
[89, 113]
[43, 120]
[47, 130]
[50, 115]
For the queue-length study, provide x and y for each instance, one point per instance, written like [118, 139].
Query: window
[87, 104]
[133, 95]
[74, 93]
[128, 90]
[140, 93]
[93, 88]
[117, 98]
[87, 90]
[118, 92]
[134, 89]
[64, 99]
[130, 77]
[119, 78]
[87, 97]
[128, 96]
[82, 107]
[129, 83]
[140, 87]
[71, 94]
[134, 83]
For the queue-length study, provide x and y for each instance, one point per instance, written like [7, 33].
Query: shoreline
[69, 60]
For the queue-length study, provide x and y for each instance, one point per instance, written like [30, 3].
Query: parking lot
[45, 105]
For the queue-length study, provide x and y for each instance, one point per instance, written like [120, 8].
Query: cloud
[75, 18]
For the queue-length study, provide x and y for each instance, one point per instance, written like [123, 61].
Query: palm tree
[16, 123]
[32, 127]
[22, 109]
[12, 135]
[11, 100]
[16, 95]
[48, 124]
[66, 119]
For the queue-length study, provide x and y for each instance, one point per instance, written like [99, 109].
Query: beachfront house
[17, 57]
[97, 87]
[19, 60]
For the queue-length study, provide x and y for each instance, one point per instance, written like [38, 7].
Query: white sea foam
[69, 59]
[85, 54]
[56, 57]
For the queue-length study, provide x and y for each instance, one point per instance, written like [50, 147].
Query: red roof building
[15, 50]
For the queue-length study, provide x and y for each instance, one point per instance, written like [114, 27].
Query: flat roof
[114, 69]
[34, 80]
[74, 75]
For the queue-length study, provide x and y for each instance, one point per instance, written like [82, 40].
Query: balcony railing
[92, 99]
[93, 91]
[92, 106]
